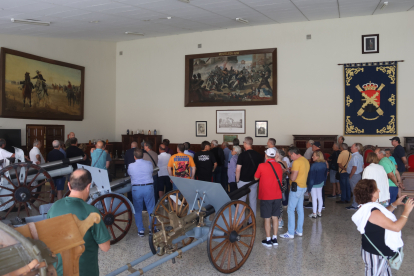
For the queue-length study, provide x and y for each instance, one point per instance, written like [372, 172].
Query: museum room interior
[314, 75]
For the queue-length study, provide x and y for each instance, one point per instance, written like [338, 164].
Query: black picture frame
[259, 126]
[370, 44]
[199, 132]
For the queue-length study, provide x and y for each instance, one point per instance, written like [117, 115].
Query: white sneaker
[298, 234]
[319, 214]
[286, 236]
[312, 215]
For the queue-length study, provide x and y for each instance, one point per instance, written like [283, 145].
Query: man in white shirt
[309, 151]
[35, 154]
[163, 176]
[4, 153]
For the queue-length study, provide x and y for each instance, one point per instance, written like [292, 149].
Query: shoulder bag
[156, 168]
[284, 182]
[338, 174]
[395, 261]
[278, 181]
[98, 158]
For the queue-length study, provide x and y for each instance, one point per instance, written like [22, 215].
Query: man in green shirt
[392, 174]
[97, 236]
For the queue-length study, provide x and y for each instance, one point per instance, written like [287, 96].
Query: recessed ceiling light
[185, 1]
[94, 21]
[169, 17]
[241, 20]
[30, 21]
[133, 33]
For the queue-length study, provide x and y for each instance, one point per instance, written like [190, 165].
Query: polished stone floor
[330, 246]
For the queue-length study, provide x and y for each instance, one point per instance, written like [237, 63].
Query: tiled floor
[330, 246]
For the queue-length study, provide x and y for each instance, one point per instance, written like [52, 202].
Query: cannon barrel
[116, 184]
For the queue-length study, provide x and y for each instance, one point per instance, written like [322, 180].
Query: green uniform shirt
[388, 167]
[97, 234]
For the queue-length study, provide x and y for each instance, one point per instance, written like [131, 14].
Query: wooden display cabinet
[326, 141]
[128, 139]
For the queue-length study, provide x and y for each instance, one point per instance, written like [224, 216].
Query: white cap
[271, 152]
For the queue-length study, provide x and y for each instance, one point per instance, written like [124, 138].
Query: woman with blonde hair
[316, 180]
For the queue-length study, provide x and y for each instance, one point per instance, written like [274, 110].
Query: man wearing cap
[270, 194]
[315, 147]
[399, 155]
[309, 151]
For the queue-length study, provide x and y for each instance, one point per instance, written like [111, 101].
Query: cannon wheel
[162, 208]
[111, 207]
[26, 195]
[229, 250]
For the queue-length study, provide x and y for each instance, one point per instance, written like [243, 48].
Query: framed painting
[235, 78]
[201, 128]
[370, 44]
[231, 121]
[261, 129]
[34, 87]
[229, 138]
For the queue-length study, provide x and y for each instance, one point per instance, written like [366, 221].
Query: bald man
[70, 136]
[98, 156]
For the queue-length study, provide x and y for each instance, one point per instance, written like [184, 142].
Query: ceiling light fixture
[185, 1]
[241, 20]
[132, 33]
[383, 5]
[30, 21]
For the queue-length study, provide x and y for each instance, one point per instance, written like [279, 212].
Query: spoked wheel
[20, 191]
[116, 214]
[170, 202]
[230, 240]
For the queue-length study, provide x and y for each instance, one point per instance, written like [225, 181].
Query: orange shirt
[181, 163]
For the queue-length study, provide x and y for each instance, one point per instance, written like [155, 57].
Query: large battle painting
[231, 78]
[38, 88]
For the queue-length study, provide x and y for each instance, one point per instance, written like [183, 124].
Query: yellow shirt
[302, 166]
[343, 159]
[181, 164]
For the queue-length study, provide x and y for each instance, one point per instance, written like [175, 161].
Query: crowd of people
[284, 177]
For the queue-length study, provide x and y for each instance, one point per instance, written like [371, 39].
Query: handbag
[395, 261]
[294, 187]
[338, 174]
[156, 168]
[278, 181]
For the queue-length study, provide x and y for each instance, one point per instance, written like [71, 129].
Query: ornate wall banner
[371, 98]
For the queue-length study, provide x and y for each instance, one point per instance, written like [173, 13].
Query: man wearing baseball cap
[399, 155]
[316, 146]
[270, 194]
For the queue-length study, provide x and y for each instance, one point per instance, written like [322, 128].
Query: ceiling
[108, 20]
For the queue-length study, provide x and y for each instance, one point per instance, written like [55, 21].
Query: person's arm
[38, 159]
[92, 149]
[341, 167]
[354, 168]
[105, 246]
[404, 159]
[215, 166]
[238, 170]
[108, 163]
[293, 175]
[378, 218]
[193, 171]
[170, 171]
[393, 178]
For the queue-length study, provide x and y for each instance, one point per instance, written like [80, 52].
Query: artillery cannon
[26, 186]
[200, 211]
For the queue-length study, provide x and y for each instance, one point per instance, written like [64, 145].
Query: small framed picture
[370, 44]
[231, 121]
[261, 129]
[229, 138]
[201, 128]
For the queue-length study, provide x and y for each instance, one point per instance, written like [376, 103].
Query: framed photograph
[370, 44]
[231, 121]
[34, 87]
[201, 128]
[261, 129]
[229, 138]
[235, 78]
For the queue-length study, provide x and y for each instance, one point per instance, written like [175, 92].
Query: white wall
[150, 77]
[98, 58]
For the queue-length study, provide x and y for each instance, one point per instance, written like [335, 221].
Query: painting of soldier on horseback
[231, 78]
[34, 87]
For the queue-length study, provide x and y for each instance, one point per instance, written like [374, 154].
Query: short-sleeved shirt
[97, 234]
[302, 166]
[343, 159]
[269, 188]
[189, 153]
[74, 151]
[181, 165]
[399, 153]
[308, 153]
[163, 160]
[3, 155]
[141, 172]
[204, 161]
[154, 156]
[249, 160]
[63, 152]
[356, 161]
[55, 155]
[392, 159]
[32, 154]
[388, 167]
[99, 159]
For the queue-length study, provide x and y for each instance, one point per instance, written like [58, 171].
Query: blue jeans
[345, 187]
[217, 175]
[295, 202]
[141, 194]
[393, 194]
